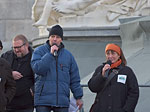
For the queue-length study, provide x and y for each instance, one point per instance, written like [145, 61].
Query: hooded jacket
[55, 77]
[7, 84]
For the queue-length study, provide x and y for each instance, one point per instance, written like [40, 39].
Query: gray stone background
[15, 18]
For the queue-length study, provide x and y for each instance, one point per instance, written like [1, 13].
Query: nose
[110, 55]
[55, 38]
[16, 49]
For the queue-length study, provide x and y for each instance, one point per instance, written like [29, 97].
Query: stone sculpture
[79, 12]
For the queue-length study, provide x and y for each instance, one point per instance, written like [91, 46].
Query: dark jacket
[120, 95]
[7, 84]
[55, 77]
[23, 98]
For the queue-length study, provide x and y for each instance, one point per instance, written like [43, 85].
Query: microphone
[55, 51]
[107, 71]
[109, 62]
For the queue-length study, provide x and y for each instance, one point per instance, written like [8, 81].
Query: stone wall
[15, 18]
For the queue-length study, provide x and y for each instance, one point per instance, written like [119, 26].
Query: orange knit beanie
[113, 47]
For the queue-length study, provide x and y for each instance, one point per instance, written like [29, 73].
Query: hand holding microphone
[54, 49]
[106, 68]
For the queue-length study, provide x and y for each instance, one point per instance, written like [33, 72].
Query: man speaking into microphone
[56, 73]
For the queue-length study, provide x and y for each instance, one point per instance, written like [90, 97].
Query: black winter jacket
[23, 98]
[7, 84]
[120, 95]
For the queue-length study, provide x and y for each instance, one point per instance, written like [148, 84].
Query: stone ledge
[91, 31]
[83, 33]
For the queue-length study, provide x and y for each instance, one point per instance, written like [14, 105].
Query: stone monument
[83, 14]
[77, 13]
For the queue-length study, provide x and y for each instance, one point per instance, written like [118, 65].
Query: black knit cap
[1, 45]
[56, 30]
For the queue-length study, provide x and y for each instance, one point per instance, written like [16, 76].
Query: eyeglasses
[18, 47]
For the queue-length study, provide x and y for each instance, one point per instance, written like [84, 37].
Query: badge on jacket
[122, 79]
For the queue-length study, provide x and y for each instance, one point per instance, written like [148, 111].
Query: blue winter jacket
[55, 77]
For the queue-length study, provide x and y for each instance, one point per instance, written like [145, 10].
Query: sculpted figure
[46, 13]
[55, 9]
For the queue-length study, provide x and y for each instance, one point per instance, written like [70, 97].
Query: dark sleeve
[133, 92]
[96, 83]
[10, 86]
[4, 55]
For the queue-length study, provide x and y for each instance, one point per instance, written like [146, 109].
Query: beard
[19, 54]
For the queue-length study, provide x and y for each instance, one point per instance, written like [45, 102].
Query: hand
[106, 67]
[16, 75]
[54, 48]
[79, 103]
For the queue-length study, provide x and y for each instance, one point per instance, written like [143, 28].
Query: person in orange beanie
[115, 83]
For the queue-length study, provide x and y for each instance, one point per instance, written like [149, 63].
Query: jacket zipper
[56, 81]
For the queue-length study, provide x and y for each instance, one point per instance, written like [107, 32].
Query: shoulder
[42, 47]
[127, 69]
[99, 68]
[3, 62]
[69, 55]
[8, 53]
[67, 51]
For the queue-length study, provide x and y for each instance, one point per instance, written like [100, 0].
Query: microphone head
[109, 62]
[55, 53]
